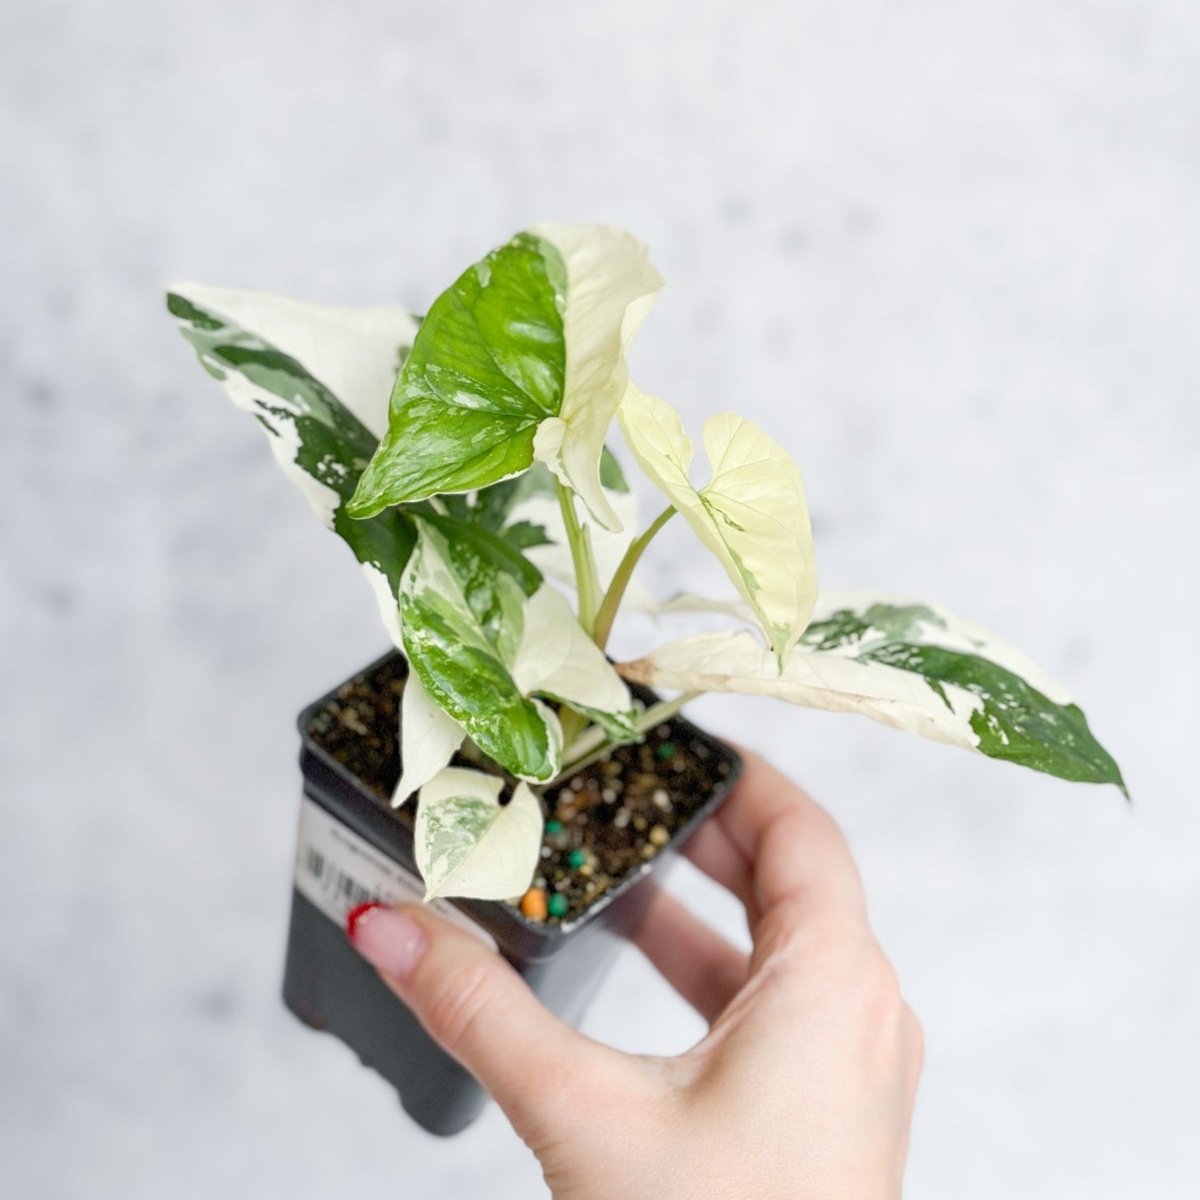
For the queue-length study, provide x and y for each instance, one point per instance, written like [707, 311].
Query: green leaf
[479, 552]
[525, 535]
[751, 513]
[911, 666]
[495, 580]
[523, 357]
[462, 618]
[485, 639]
[486, 367]
[502, 508]
[468, 844]
[611, 475]
[491, 507]
[320, 434]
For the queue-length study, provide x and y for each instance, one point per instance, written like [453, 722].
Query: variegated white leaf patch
[610, 287]
[317, 380]
[468, 844]
[907, 665]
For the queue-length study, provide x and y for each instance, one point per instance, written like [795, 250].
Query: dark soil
[602, 823]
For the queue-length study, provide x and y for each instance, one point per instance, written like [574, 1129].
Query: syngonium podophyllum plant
[462, 457]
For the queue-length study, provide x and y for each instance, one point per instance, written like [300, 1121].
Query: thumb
[478, 1009]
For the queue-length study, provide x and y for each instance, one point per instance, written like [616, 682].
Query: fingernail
[357, 913]
[390, 941]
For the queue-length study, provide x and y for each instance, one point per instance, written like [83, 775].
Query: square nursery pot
[353, 847]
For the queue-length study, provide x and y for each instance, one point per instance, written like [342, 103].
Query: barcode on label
[337, 870]
[330, 878]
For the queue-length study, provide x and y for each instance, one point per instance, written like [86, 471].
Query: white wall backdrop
[948, 252]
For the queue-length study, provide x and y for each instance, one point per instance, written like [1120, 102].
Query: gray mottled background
[948, 252]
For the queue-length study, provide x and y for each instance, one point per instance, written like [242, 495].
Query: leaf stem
[580, 542]
[607, 612]
[596, 744]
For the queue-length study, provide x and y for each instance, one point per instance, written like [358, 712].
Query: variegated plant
[462, 458]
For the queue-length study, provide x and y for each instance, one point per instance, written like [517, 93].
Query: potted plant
[462, 457]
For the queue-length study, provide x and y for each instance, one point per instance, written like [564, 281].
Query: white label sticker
[337, 869]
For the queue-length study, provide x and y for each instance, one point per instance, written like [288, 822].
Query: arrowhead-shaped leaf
[906, 665]
[751, 513]
[317, 380]
[485, 639]
[468, 844]
[533, 334]
[462, 617]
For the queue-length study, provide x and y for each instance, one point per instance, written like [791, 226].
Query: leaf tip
[360, 506]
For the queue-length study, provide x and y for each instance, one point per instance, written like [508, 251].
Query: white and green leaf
[610, 288]
[468, 844]
[355, 352]
[907, 665]
[556, 658]
[486, 638]
[534, 333]
[494, 578]
[751, 513]
[317, 381]
[461, 618]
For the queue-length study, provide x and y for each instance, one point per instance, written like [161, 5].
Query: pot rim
[550, 936]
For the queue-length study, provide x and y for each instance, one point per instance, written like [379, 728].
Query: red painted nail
[357, 913]
[390, 940]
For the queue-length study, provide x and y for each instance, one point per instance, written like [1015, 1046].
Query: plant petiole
[580, 542]
[621, 577]
[596, 744]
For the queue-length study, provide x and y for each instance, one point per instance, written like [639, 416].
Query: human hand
[804, 1085]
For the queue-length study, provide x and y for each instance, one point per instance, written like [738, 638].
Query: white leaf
[751, 513]
[467, 844]
[429, 739]
[389, 610]
[558, 659]
[355, 352]
[611, 286]
[738, 662]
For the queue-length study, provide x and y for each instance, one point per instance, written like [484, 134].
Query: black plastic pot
[353, 848]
